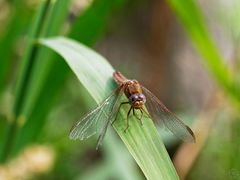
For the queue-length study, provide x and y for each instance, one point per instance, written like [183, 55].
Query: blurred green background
[186, 52]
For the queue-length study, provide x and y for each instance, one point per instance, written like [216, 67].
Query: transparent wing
[161, 115]
[111, 117]
[97, 119]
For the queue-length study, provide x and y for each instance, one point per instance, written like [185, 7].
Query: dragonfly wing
[161, 115]
[94, 121]
[111, 116]
[87, 126]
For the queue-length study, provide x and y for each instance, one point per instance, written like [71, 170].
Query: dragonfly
[138, 97]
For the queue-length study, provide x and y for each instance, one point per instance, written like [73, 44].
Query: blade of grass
[95, 73]
[11, 34]
[40, 72]
[117, 157]
[117, 162]
[24, 75]
[51, 73]
[193, 22]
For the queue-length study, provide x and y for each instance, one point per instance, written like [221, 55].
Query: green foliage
[25, 72]
[37, 103]
[50, 72]
[47, 74]
[41, 75]
[12, 32]
[219, 155]
[193, 22]
[95, 73]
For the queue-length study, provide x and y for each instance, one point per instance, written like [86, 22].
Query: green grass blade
[28, 61]
[43, 63]
[95, 73]
[12, 31]
[193, 22]
[50, 73]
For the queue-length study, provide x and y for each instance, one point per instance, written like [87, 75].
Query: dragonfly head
[137, 100]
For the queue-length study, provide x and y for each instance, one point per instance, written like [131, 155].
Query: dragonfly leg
[128, 119]
[141, 116]
[140, 119]
[118, 110]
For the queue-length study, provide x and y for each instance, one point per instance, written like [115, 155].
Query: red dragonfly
[98, 120]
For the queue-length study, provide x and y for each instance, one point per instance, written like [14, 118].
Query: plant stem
[25, 74]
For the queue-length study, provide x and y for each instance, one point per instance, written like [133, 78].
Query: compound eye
[141, 96]
[133, 98]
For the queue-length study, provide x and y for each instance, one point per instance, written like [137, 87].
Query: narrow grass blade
[95, 73]
[32, 109]
[25, 71]
[50, 73]
[12, 31]
[193, 22]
